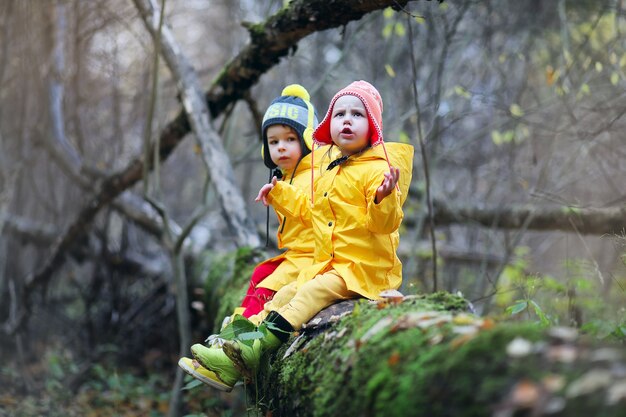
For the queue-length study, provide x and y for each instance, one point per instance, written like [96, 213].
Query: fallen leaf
[617, 393]
[393, 359]
[461, 340]
[562, 353]
[553, 383]
[519, 347]
[525, 394]
[591, 381]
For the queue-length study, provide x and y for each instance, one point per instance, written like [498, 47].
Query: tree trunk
[213, 153]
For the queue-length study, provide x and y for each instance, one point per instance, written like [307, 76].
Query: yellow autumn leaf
[584, 89]
[399, 29]
[461, 91]
[550, 75]
[599, 66]
[613, 58]
[568, 57]
[387, 30]
[420, 19]
[614, 78]
[390, 71]
[516, 110]
[496, 137]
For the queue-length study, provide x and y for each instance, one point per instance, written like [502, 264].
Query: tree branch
[588, 221]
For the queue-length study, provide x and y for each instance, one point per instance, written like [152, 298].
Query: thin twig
[152, 105]
[429, 202]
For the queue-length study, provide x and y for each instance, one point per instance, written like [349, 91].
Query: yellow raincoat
[296, 236]
[353, 235]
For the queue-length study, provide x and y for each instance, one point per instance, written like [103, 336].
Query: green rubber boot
[215, 360]
[193, 368]
[246, 354]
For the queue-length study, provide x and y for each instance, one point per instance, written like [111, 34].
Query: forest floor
[108, 393]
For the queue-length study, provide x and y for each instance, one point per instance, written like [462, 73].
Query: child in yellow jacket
[355, 211]
[287, 131]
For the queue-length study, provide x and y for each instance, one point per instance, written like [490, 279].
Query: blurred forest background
[109, 220]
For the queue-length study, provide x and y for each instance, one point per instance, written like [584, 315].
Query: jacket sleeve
[290, 202]
[386, 216]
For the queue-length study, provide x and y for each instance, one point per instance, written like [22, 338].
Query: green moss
[227, 280]
[397, 372]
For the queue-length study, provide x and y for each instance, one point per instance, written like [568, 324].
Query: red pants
[255, 298]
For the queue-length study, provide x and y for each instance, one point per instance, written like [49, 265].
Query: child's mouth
[347, 131]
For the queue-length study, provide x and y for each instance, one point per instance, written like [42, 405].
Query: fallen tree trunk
[425, 356]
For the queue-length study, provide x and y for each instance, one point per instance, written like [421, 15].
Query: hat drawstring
[389, 163]
[293, 173]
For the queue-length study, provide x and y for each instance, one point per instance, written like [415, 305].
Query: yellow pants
[299, 305]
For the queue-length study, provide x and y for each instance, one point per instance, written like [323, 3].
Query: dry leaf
[553, 383]
[393, 359]
[591, 381]
[519, 347]
[562, 353]
[525, 394]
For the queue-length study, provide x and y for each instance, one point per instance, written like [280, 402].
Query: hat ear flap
[307, 136]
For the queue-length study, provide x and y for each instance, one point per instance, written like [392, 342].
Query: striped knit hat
[293, 108]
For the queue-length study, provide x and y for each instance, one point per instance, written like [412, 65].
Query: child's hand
[390, 181]
[265, 190]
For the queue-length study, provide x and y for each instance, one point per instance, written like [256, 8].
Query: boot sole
[234, 354]
[213, 369]
[208, 381]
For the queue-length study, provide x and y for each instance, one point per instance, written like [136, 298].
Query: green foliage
[226, 281]
[578, 298]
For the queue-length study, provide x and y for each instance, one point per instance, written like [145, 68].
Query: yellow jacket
[295, 236]
[353, 235]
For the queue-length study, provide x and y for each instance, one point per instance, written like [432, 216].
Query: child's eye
[339, 114]
[358, 113]
[273, 142]
[292, 139]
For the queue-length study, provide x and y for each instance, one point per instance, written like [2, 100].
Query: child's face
[284, 146]
[349, 125]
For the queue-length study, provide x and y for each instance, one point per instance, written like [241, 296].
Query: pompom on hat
[373, 103]
[293, 108]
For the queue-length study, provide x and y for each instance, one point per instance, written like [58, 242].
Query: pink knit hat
[370, 97]
[373, 103]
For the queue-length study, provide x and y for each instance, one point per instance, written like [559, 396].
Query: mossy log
[428, 356]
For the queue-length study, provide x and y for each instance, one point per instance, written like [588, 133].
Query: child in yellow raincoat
[355, 211]
[287, 132]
